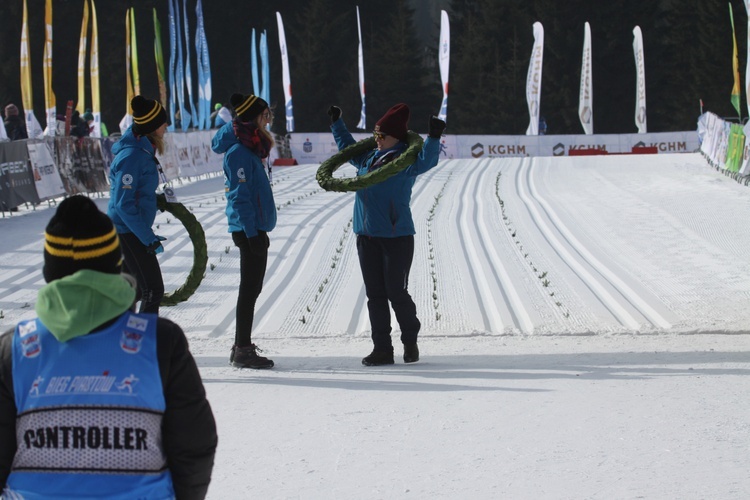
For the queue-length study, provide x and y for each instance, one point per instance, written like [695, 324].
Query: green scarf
[76, 304]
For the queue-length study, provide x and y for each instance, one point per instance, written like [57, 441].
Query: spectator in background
[78, 126]
[15, 127]
[88, 119]
[212, 118]
[223, 115]
[147, 430]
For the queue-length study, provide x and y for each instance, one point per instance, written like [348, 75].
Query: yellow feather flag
[49, 96]
[128, 79]
[26, 92]
[134, 54]
[735, 69]
[81, 105]
[94, 62]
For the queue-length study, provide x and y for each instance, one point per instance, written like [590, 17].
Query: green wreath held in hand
[200, 250]
[327, 168]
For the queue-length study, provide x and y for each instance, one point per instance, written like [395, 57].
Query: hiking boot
[247, 357]
[377, 358]
[411, 353]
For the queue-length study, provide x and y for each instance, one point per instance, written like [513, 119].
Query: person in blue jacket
[251, 212]
[133, 178]
[97, 401]
[385, 229]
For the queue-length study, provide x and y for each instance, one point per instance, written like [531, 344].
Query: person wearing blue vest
[133, 179]
[385, 229]
[97, 401]
[251, 212]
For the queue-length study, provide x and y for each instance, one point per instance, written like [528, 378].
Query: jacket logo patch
[127, 179]
[131, 342]
[137, 323]
[241, 173]
[26, 328]
[31, 346]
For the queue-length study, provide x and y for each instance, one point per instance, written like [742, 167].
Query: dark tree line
[687, 47]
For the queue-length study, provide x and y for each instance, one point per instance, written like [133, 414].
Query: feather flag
[172, 62]
[285, 76]
[444, 60]
[534, 79]
[747, 60]
[254, 64]
[187, 119]
[265, 91]
[32, 124]
[640, 93]
[362, 115]
[81, 104]
[204, 68]
[127, 120]
[159, 58]
[184, 115]
[96, 108]
[586, 94]
[50, 105]
[134, 55]
[735, 98]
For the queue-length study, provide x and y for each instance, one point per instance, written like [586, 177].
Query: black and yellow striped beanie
[79, 236]
[148, 115]
[247, 107]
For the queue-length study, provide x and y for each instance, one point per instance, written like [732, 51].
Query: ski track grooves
[530, 196]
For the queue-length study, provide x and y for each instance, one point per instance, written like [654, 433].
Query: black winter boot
[411, 353]
[377, 358]
[247, 357]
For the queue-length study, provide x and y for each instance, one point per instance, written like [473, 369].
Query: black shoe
[411, 353]
[377, 358]
[247, 357]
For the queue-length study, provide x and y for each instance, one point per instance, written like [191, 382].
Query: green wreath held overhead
[200, 250]
[325, 172]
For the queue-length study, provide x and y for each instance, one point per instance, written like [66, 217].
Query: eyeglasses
[379, 135]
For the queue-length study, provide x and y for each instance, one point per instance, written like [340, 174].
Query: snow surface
[584, 335]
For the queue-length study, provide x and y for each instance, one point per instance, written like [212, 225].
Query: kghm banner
[285, 76]
[444, 60]
[361, 71]
[586, 95]
[640, 92]
[534, 80]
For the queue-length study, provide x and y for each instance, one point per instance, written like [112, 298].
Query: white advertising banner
[46, 177]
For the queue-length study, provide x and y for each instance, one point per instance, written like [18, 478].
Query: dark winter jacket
[133, 179]
[15, 128]
[188, 426]
[383, 210]
[250, 204]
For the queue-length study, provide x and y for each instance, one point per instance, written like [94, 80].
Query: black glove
[259, 243]
[155, 247]
[436, 127]
[335, 113]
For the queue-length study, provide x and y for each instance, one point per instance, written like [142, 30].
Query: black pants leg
[144, 267]
[385, 265]
[252, 273]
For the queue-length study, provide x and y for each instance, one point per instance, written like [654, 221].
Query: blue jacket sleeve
[427, 158]
[127, 181]
[344, 139]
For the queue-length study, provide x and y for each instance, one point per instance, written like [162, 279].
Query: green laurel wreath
[200, 250]
[325, 178]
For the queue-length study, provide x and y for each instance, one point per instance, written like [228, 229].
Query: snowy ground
[585, 335]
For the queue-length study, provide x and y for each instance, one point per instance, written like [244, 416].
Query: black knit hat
[148, 115]
[247, 107]
[79, 236]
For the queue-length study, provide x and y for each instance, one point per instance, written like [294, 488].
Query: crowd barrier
[33, 171]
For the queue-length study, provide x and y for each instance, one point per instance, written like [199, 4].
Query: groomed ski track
[506, 246]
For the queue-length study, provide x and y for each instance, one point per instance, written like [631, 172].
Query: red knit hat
[394, 122]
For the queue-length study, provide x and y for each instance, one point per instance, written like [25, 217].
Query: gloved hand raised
[335, 113]
[436, 127]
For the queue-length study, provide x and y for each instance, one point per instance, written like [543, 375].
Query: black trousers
[252, 273]
[144, 267]
[385, 265]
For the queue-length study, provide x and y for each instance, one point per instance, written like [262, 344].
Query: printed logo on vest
[31, 346]
[137, 323]
[128, 383]
[131, 342]
[26, 328]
